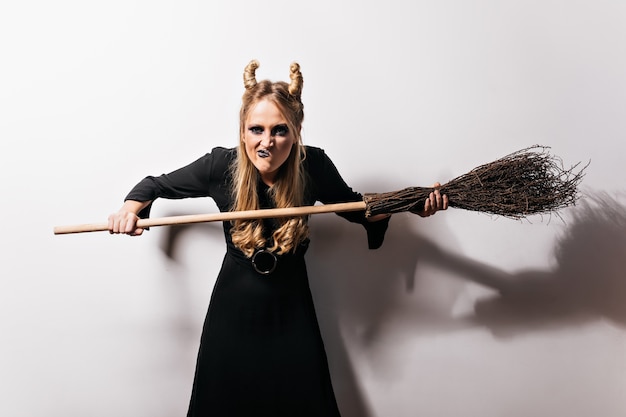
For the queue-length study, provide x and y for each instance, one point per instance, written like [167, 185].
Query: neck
[270, 178]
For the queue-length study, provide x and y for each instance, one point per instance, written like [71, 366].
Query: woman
[261, 353]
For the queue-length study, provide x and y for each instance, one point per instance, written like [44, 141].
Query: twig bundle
[526, 182]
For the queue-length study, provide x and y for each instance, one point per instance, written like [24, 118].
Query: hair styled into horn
[295, 87]
[249, 74]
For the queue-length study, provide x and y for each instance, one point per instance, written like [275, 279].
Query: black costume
[261, 352]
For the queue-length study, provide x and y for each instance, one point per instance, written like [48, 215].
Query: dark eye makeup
[280, 130]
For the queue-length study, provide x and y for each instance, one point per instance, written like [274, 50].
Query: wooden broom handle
[225, 216]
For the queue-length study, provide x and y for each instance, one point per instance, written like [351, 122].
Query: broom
[527, 182]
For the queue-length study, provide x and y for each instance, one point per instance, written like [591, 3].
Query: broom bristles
[527, 182]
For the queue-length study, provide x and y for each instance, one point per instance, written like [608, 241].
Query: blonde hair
[288, 190]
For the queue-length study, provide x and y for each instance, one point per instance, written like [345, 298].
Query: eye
[280, 130]
[255, 130]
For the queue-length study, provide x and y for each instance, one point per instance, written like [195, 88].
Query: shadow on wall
[359, 292]
[588, 282]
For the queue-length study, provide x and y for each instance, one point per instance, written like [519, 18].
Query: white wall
[94, 96]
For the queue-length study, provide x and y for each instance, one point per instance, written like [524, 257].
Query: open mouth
[262, 153]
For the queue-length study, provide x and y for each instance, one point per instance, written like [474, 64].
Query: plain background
[95, 95]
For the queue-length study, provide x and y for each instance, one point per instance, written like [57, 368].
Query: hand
[124, 222]
[435, 202]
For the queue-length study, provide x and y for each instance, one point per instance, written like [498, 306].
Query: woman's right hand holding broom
[125, 220]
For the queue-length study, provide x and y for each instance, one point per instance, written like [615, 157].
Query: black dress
[261, 352]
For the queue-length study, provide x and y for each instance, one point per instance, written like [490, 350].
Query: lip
[263, 153]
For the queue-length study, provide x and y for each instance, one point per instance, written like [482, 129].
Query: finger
[129, 225]
[427, 207]
[115, 227]
[438, 200]
[433, 203]
[432, 199]
[445, 202]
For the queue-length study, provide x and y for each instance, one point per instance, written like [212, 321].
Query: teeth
[263, 153]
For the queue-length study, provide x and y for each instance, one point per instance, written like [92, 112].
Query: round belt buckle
[264, 262]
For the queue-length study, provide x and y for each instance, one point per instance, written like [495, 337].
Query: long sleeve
[201, 178]
[327, 186]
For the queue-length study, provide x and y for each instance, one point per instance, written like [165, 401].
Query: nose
[267, 140]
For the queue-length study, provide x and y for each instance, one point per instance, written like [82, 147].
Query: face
[268, 140]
